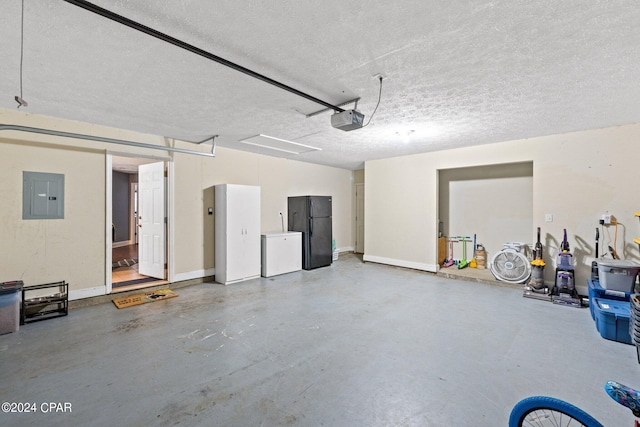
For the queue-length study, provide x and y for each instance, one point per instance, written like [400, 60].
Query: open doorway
[138, 251]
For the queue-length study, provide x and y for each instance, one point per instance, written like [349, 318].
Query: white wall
[400, 211]
[43, 251]
[76, 248]
[278, 179]
[576, 177]
[494, 202]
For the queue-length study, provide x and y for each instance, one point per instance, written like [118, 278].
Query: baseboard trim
[87, 293]
[433, 268]
[121, 244]
[196, 274]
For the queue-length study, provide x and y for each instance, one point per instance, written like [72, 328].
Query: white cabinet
[237, 233]
[281, 253]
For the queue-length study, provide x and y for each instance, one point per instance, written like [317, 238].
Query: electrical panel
[42, 195]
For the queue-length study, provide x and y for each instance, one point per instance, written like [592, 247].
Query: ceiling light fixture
[277, 144]
[19, 99]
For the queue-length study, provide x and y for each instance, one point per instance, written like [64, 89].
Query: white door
[151, 220]
[243, 230]
[235, 231]
[360, 218]
[252, 250]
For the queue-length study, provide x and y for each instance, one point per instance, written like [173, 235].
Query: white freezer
[281, 253]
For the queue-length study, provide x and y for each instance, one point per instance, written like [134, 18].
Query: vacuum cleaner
[536, 288]
[564, 291]
[594, 263]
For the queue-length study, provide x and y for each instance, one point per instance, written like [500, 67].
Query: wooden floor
[124, 252]
[124, 274]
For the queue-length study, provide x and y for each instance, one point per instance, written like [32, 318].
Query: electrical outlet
[548, 217]
[606, 219]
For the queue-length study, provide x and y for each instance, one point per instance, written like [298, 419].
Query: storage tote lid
[618, 263]
[612, 307]
[11, 287]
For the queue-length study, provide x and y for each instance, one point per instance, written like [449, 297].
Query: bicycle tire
[542, 411]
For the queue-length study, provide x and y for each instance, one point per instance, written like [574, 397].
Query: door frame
[169, 189]
[133, 214]
[359, 219]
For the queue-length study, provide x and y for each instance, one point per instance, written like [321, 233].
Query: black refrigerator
[311, 215]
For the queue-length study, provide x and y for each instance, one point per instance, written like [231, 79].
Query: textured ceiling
[457, 73]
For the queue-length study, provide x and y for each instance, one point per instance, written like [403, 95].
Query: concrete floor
[354, 344]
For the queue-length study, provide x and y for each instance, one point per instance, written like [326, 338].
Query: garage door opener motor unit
[347, 120]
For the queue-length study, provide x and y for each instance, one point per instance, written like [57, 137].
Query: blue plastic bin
[597, 291]
[612, 319]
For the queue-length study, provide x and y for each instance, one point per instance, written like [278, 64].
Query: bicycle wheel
[543, 411]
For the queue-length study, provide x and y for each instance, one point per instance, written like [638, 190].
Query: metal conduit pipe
[103, 139]
[179, 43]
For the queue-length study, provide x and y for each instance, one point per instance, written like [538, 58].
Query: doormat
[124, 263]
[140, 299]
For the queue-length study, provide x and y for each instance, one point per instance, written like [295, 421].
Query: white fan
[510, 264]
